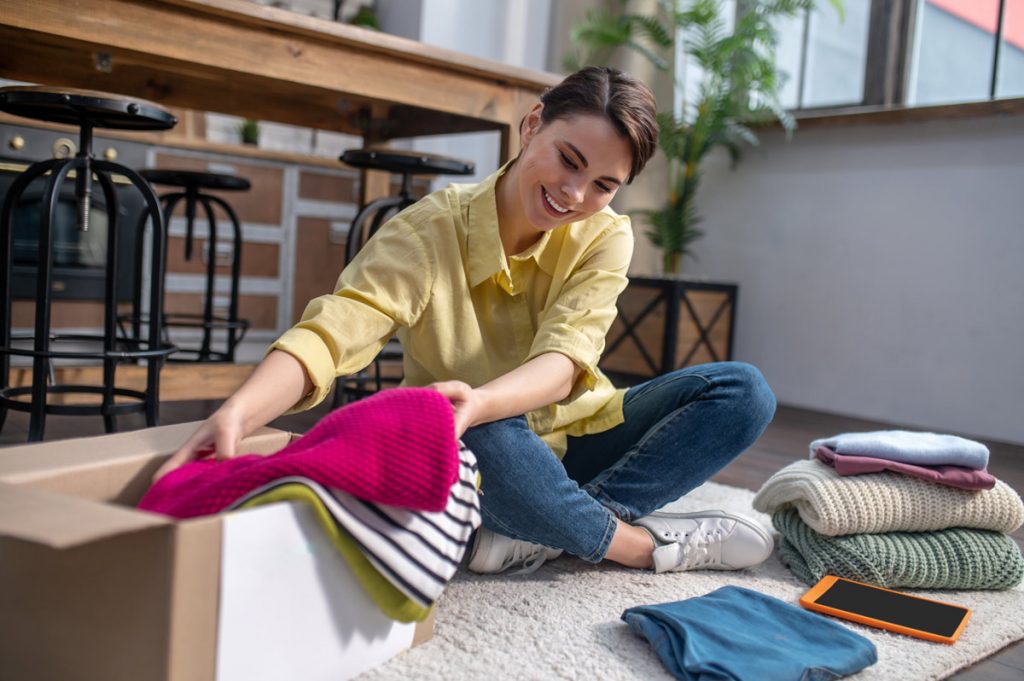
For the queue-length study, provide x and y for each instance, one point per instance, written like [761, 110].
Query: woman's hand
[541, 381]
[218, 435]
[277, 383]
[467, 404]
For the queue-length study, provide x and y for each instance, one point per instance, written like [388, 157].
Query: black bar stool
[192, 182]
[367, 221]
[87, 110]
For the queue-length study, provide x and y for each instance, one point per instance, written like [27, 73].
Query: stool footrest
[141, 351]
[8, 399]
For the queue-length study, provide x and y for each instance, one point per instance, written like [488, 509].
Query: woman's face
[569, 168]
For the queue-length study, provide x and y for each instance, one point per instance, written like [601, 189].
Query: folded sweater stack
[895, 529]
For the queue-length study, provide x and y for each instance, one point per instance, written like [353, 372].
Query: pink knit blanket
[397, 448]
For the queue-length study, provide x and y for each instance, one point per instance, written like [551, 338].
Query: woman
[502, 294]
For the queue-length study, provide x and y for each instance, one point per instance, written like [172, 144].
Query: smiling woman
[502, 294]
[568, 170]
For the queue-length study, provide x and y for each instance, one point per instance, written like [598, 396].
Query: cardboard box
[91, 588]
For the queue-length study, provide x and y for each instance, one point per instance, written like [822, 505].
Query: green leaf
[737, 88]
[653, 30]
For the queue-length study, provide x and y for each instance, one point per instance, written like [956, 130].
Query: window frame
[890, 42]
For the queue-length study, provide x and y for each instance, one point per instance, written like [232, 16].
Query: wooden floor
[784, 442]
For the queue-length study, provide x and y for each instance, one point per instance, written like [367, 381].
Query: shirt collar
[485, 255]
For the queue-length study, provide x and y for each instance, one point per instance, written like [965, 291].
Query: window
[954, 51]
[824, 56]
[914, 52]
[1010, 72]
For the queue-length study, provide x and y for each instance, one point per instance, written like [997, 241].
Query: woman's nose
[573, 191]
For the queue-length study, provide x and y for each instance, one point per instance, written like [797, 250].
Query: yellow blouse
[436, 275]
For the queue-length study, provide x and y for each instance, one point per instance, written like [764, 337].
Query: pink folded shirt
[397, 448]
[952, 476]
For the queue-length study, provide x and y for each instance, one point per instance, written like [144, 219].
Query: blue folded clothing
[739, 634]
[922, 449]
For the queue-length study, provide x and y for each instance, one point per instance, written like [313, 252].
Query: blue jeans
[679, 430]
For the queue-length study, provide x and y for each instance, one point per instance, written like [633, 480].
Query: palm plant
[738, 88]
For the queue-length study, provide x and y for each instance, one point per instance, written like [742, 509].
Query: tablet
[887, 609]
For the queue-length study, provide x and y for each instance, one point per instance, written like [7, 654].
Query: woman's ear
[530, 124]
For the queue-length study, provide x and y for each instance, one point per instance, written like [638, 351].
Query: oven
[80, 258]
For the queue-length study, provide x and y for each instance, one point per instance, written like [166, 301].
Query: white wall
[513, 32]
[880, 269]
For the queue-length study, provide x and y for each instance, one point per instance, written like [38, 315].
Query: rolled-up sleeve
[386, 286]
[577, 322]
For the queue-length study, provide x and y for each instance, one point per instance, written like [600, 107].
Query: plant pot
[667, 323]
[249, 132]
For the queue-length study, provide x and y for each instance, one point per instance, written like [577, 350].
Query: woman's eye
[603, 187]
[567, 161]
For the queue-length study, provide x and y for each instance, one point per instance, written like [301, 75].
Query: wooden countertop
[237, 57]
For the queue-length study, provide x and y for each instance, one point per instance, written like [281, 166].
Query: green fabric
[388, 598]
[954, 558]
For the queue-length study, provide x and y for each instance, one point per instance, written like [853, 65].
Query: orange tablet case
[808, 601]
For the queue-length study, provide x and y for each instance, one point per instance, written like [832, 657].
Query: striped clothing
[416, 551]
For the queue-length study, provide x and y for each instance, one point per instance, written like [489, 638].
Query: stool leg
[169, 202]
[155, 362]
[191, 194]
[40, 362]
[140, 249]
[211, 278]
[236, 276]
[14, 193]
[110, 304]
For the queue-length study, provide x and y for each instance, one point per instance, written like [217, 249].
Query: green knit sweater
[954, 558]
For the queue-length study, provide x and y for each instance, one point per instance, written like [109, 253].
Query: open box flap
[25, 464]
[70, 492]
[60, 521]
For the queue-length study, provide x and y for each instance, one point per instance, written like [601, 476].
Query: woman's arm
[543, 380]
[277, 384]
[387, 285]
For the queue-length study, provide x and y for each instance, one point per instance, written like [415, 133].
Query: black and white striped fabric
[417, 551]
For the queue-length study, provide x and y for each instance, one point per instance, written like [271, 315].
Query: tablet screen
[906, 611]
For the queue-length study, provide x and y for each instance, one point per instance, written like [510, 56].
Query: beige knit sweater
[885, 502]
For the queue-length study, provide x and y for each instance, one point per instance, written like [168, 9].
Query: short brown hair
[624, 100]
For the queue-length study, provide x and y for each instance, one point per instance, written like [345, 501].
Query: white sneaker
[706, 540]
[493, 553]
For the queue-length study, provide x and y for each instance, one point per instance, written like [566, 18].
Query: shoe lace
[532, 556]
[698, 549]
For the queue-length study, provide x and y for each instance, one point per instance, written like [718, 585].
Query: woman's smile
[553, 207]
[568, 170]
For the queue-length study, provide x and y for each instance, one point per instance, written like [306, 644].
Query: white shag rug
[563, 621]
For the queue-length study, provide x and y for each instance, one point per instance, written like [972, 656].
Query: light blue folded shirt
[923, 449]
[737, 634]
